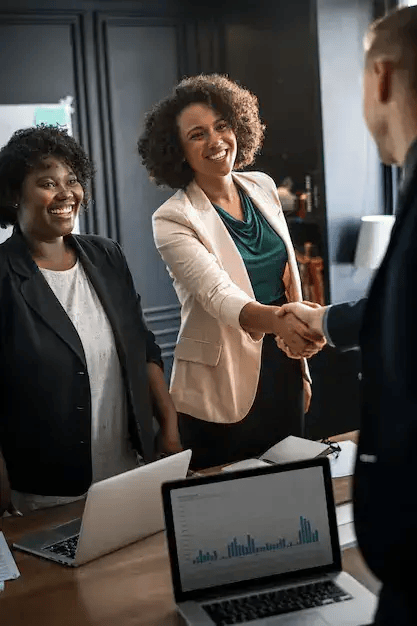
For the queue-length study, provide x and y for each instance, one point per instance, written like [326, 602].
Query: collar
[21, 259]
[410, 163]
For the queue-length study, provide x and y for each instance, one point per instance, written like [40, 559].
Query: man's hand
[295, 337]
[310, 313]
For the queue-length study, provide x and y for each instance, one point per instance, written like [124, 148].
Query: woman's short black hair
[160, 146]
[25, 151]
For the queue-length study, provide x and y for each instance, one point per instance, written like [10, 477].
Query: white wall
[351, 162]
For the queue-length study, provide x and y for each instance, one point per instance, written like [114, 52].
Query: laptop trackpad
[313, 618]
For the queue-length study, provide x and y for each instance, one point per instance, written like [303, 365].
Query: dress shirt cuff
[325, 327]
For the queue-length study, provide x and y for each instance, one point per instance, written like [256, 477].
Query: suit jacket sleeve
[344, 322]
[153, 351]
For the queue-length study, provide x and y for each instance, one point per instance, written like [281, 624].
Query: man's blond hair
[394, 37]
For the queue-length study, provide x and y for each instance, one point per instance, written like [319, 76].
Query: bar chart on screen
[249, 546]
[273, 524]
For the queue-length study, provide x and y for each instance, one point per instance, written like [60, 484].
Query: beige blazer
[216, 363]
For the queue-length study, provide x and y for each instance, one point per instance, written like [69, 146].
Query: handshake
[301, 331]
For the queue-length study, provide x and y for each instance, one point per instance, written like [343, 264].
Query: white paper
[344, 513]
[347, 536]
[344, 464]
[246, 464]
[8, 567]
[294, 449]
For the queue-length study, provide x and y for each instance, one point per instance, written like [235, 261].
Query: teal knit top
[262, 249]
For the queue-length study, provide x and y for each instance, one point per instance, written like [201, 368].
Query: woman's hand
[294, 337]
[6, 505]
[309, 351]
[307, 395]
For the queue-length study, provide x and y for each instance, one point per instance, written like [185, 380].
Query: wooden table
[130, 587]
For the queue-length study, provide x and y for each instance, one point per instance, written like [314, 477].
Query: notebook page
[243, 465]
[8, 567]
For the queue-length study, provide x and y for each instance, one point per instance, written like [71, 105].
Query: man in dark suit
[384, 326]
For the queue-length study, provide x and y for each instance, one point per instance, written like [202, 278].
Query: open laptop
[118, 511]
[260, 547]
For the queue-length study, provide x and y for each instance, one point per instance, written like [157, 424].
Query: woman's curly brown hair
[160, 146]
[25, 150]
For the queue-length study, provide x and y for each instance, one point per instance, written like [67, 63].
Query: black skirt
[277, 411]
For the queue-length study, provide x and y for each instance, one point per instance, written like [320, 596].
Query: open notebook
[286, 451]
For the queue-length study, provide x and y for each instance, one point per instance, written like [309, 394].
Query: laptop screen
[249, 527]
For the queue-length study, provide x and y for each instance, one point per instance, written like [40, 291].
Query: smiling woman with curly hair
[160, 146]
[79, 370]
[225, 241]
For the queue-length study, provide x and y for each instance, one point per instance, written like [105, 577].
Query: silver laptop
[118, 511]
[260, 548]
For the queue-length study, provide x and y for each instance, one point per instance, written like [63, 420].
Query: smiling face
[208, 142]
[50, 199]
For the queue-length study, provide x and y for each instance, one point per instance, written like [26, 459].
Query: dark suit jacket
[386, 469]
[45, 400]
[344, 322]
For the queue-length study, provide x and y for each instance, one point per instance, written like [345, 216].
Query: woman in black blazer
[76, 359]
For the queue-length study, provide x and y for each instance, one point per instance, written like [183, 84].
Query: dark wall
[276, 58]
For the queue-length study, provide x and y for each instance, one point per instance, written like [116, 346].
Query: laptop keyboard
[67, 547]
[275, 603]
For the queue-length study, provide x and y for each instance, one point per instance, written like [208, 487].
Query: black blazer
[386, 469]
[45, 407]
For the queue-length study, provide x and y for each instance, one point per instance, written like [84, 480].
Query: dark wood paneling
[33, 73]
[140, 66]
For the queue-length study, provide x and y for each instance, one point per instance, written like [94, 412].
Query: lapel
[216, 235]
[103, 288]
[40, 297]
[263, 202]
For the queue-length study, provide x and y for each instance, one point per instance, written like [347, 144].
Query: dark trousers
[278, 411]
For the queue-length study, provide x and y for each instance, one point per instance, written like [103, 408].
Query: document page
[8, 567]
[246, 464]
[294, 449]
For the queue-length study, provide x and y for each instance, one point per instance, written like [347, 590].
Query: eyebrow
[46, 175]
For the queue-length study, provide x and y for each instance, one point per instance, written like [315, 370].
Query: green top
[262, 249]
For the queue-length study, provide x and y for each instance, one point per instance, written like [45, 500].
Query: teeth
[67, 209]
[218, 156]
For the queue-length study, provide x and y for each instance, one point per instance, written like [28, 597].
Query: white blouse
[110, 446]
